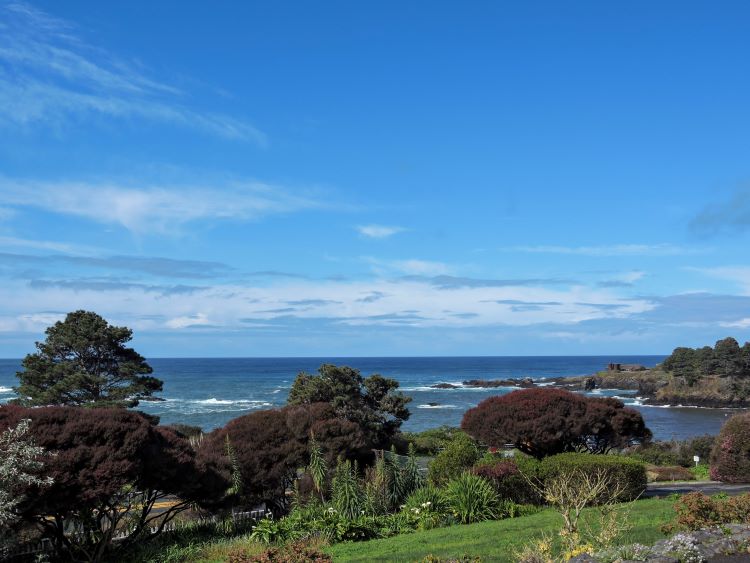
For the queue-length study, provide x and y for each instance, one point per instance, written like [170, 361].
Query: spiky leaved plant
[346, 493]
[412, 476]
[317, 468]
[236, 487]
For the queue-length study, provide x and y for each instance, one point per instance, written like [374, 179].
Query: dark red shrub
[109, 465]
[542, 422]
[270, 445]
[730, 458]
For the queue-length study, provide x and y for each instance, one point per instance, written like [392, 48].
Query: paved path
[707, 487]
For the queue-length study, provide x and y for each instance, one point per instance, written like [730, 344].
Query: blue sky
[383, 178]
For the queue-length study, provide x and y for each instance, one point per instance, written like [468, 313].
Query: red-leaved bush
[109, 465]
[270, 445]
[542, 422]
[730, 457]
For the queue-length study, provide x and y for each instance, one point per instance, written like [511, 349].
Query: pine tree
[84, 361]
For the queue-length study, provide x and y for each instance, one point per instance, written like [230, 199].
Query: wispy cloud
[456, 282]
[727, 216]
[378, 231]
[49, 73]
[152, 266]
[661, 249]
[412, 267]
[739, 275]
[161, 208]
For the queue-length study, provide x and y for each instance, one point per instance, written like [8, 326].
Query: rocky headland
[652, 386]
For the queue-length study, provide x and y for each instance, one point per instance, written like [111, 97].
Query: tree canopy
[270, 445]
[106, 467]
[542, 422]
[725, 359]
[373, 403]
[85, 361]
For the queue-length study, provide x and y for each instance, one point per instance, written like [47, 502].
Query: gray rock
[584, 558]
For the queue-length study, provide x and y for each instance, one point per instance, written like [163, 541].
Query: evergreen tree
[84, 361]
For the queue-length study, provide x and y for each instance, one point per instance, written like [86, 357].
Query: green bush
[507, 479]
[626, 471]
[730, 458]
[472, 499]
[430, 442]
[427, 494]
[460, 454]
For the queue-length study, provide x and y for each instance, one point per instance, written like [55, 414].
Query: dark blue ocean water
[210, 392]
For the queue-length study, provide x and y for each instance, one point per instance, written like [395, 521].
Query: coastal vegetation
[102, 482]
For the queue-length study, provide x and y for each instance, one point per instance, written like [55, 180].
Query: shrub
[625, 472]
[675, 452]
[695, 511]
[295, 552]
[427, 496]
[542, 422]
[460, 454]
[430, 442]
[109, 468]
[668, 473]
[730, 458]
[506, 478]
[471, 499]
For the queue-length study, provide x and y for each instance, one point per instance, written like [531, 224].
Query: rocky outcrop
[730, 542]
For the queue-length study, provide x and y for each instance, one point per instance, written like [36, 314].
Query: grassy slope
[497, 540]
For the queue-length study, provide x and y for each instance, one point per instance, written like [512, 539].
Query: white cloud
[378, 231]
[163, 208]
[51, 75]
[742, 324]
[199, 319]
[231, 306]
[661, 249]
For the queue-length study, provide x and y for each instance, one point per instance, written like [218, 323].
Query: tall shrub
[459, 455]
[109, 468]
[542, 422]
[730, 458]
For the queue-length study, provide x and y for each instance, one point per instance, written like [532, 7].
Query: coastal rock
[589, 384]
[444, 386]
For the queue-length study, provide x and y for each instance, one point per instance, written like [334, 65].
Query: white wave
[276, 391]
[545, 384]
[437, 406]
[215, 401]
[4, 390]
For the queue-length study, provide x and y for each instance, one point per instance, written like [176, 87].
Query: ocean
[209, 392]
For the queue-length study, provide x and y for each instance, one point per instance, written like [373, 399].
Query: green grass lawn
[496, 540]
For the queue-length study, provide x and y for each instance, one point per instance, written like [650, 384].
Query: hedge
[628, 471]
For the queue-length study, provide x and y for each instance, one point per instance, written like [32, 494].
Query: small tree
[373, 403]
[84, 361]
[20, 467]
